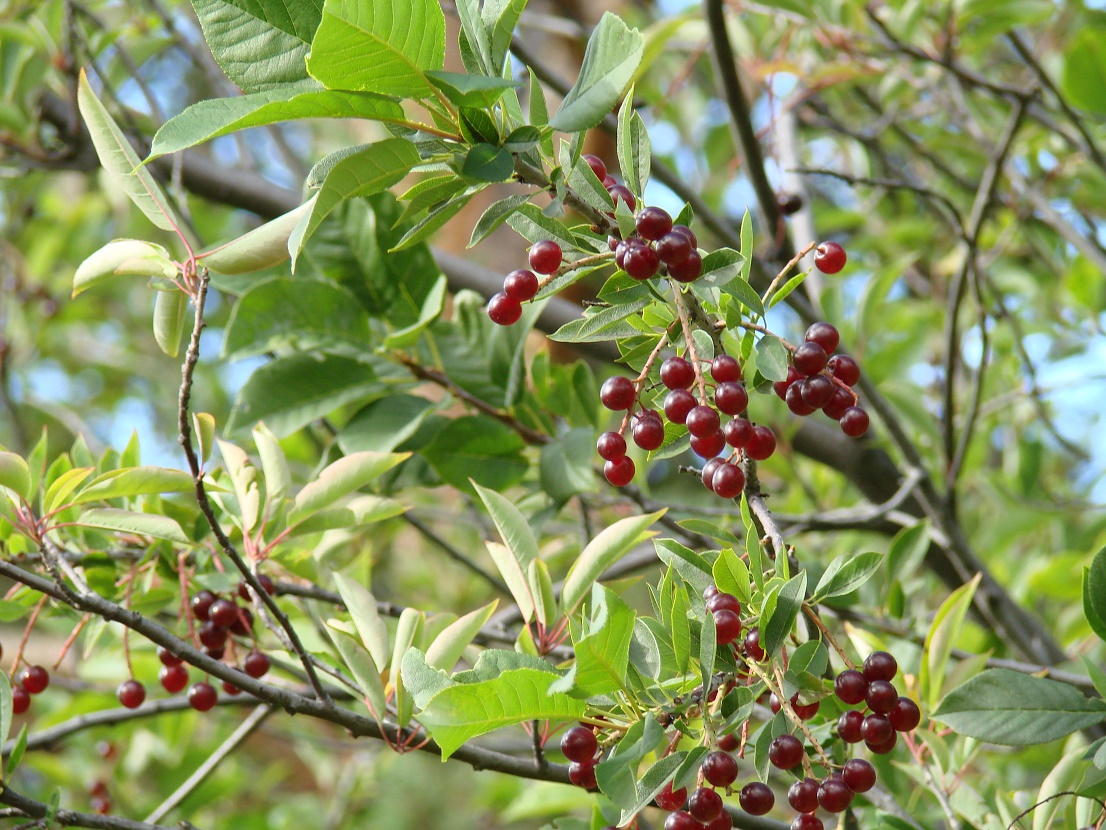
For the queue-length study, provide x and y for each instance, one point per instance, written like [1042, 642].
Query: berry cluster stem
[784, 271]
[583, 262]
[681, 310]
[814, 618]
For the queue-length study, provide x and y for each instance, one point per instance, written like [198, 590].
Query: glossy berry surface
[582, 774]
[680, 820]
[807, 821]
[21, 700]
[621, 193]
[719, 601]
[202, 696]
[167, 657]
[728, 481]
[728, 742]
[834, 795]
[803, 795]
[545, 256]
[201, 603]
[230, 689]
[677, 373]
[727, 625]
[579, 744]
[223, 613]
[504, 310]
[687, 270]
[725, 369]
[817, 391]
[850, 686]
[905, 715]
[794, 400]
[756, 799]
[805, 711]
[673, 248]
[876, 729]
[761, 444]
[849, 727]
[854, 422]
[709, 469]
[641, 262]
[688, 233]
[859, 775]
[879, 665]
[752, 645]
[840, 402]
[881, 697]
[730, 397]
[598, 167]
[610, 446]
[520, 285]
[708, 446]
[829, 257]
[809, 359]
[723, 822]
[256, 664]
[737, 432]
[653, 222]
[212, 635]
[719, 768]
[648, 432]
[702, 421]
[266, 583]
[844, 368]
[619, 472]
[618, 393]
[825, 335]
[677, 404]
[34, 679]
[173, 678]
[785, 752]
[705, 805]
[667, 799]
[884, 747]
[131, 693]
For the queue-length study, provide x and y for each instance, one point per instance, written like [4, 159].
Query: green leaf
[421, 680]
[513, 528]
[364, 671]
[941, 637]
[63, 486]
[373, 168]
[907, 550]
[541, 589]
[385, 424]
[292, 391]
[216, 117]
[437, 218]
[612, 56]
[259, 45]
[432, 306]
[488, 163]
[361, 605]
[121, 162]
[460, 713]
[447, 647]
[135, 481]
[247, 488]
[845, 574]
[256, 250]
[1013, 709]
[500, 19]
[203, 431]
[731, 575]
[478, 448]
[789, 601]
[5, 708]
[170, 310]
[771, 358]
[341, 478]
[382, 47]
[128, 521]
[495, 216]
[601, 552]
[747, 244]
[15, 474]
[533, 225]
[1094, 593]
[565, 467]
[602, 656]
[604, 324]
[654, 780]
[477, 91]
[1084, 77]
[634, 149]
[123, 257]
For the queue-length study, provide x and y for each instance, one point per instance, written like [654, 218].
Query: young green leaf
[128, 521]
[512, 526]
[278, 478]
[789, 602]
[602, 552]
[59, 491]
[361, 605]
[5, 707]
[478, 91]
[243, 476]
[170, 309]
[634, 148]
[134, 481]
[256, 250]
[15, 474]
[364, 670]
[731, 575]
[771, 358]
[941, 638]
[1094, 594]
[845, 574]
[447, 647]
[495, 216]
[341, 478]
[123, 257]
[514, 575]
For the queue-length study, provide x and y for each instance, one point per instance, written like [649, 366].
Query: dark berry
[677, 404]
[620, 252]
[214, 653]
[839, 404]
[223, 613]
[844, 368]
[687, 270]
[774, 703]
[879, 665]
[131, 693]
[728, 742]
[653, 222]
[677, 373]
[720, 601]
[202, 696]
[582, 774]
[266, 583]
[825, 335]
[167, 657]
[687, 232]
[849, 727]
[673, 248]
[790, 203]
[756, 799]
[702, 421]
[212, 635]
[201, 603]
[780, 387]
[708, 446]
[709, 469]
[727, 625]
[803, 795]
[610, 446]
[641, 262]
[785, 751]
[834, 795]
[668, 800]
[256, 664]
[728, 481]
[805, 711]
[858, 775]
[809, 359]
[173, 678]
[829, 257]
[854, 422]
[725, 369]
[794, 400]
[34, 679]
[680, 820]
[545, 256]
[905, 716]
[101, 805]
[719, 769]
[648, 432]
[850, 686]
[579, 744]
[619, 472]
[243, 622]
[21, 700]
[618, 393]
[817, 391]
[231, 689]
[737, 432]
[753, 649]
[504, 310]
[762, 443]
[596, 164]
[876, 729]
[731, 397]
[884, 747]
[520, 285]
[705, 805]
[881, 697]
[807, 821]
[621, 193]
